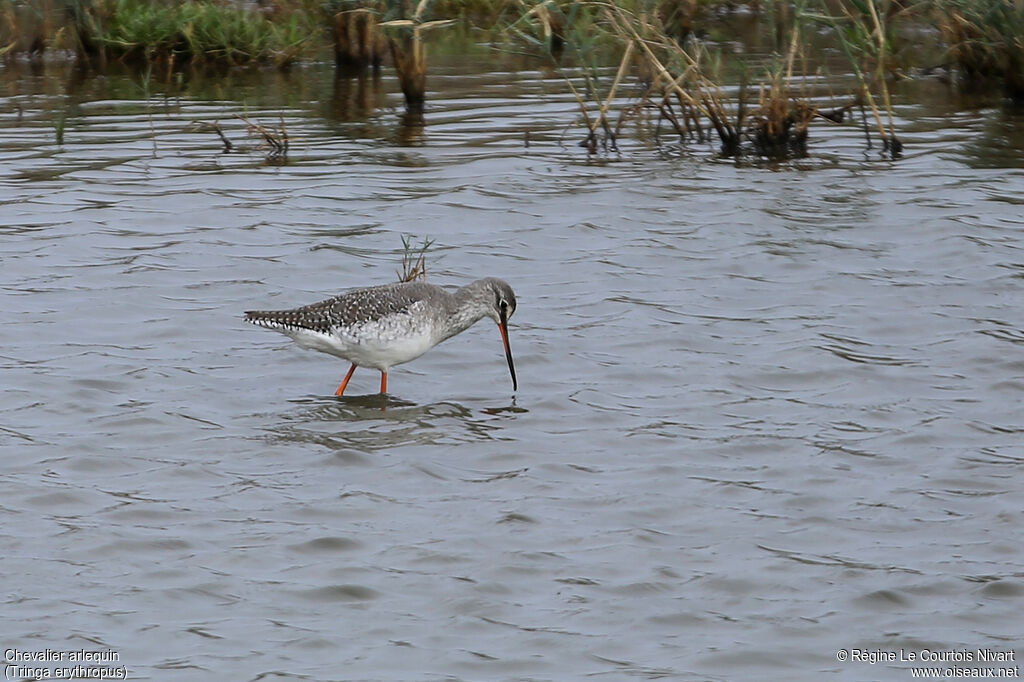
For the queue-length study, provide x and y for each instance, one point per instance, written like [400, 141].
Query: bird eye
[503, 304]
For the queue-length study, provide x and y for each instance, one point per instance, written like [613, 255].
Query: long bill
[503, 327]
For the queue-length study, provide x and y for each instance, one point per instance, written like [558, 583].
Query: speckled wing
[375, 304]
[346, 311]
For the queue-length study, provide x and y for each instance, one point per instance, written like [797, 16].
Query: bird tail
[314, 318]
[271, 319]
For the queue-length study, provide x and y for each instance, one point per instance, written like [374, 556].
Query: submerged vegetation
[690, 77]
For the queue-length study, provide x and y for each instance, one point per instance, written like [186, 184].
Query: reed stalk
[985, 41]
[414, 259]
[863, 29]
[679, 73]
[358, 42]
[276, 139]
[409, 52]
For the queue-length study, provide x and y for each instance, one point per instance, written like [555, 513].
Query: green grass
[195, 31]
[984, 40]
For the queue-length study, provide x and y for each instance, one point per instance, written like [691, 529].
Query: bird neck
[467, 308]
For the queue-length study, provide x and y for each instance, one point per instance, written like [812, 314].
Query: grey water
[767, 417]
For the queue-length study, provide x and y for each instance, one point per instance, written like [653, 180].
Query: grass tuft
[985, 40]
[195, 31]
[414, 259]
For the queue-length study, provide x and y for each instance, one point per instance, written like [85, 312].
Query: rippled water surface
[764, 414]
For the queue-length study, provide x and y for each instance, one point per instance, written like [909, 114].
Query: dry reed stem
[277, 139]
[357, 41]
[552, 26]
[409, 59]
[623, 65]
[582, 103]
[627, 31]
[203, 126]
[409, 55]
[543, 15]
[880, 76]
[420, 9]
[707, 101]
[602, 108]
[888, 138]
[707, 98]
[414, 265]
[689, 114]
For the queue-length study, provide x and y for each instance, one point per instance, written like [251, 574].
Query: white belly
[366, 346]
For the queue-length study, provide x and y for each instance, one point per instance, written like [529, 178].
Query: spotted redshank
[387, 325]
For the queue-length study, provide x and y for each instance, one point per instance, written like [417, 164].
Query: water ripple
[760, 405]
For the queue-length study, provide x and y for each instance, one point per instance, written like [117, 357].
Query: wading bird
[384, 326]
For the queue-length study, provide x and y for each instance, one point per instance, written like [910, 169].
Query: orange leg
[383, 382]
[344, 383]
